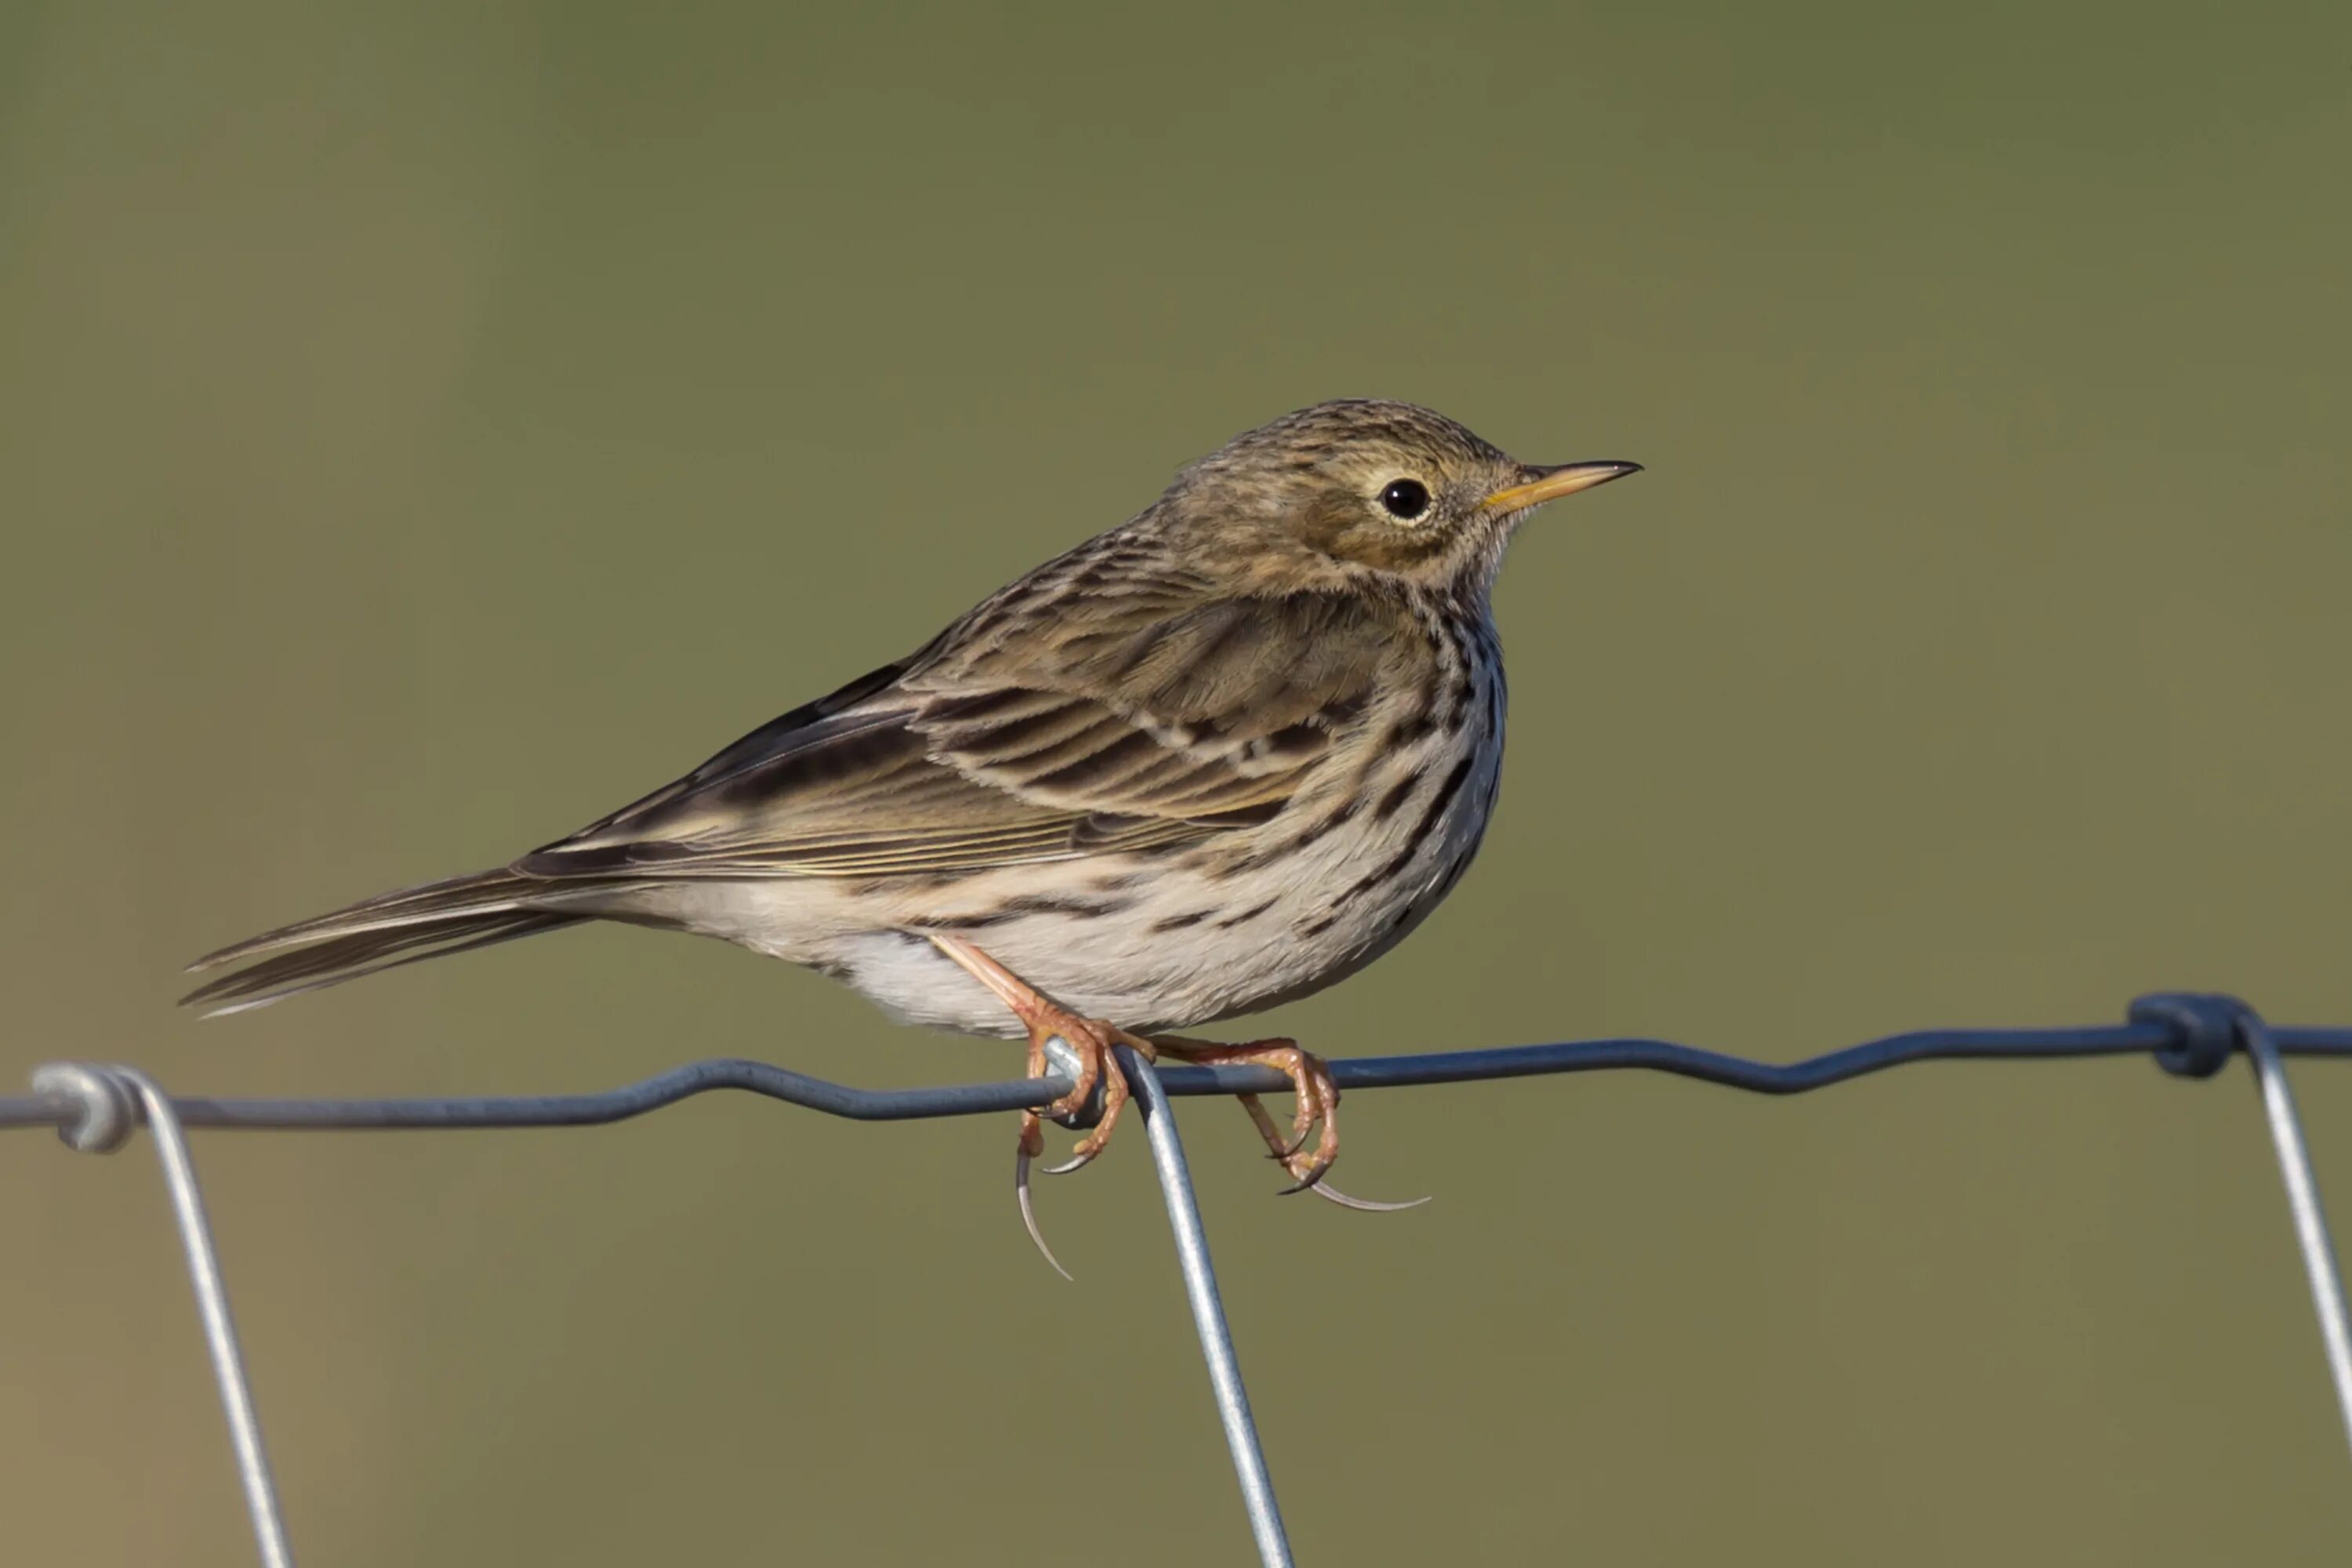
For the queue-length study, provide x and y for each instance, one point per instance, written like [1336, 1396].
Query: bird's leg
[1090, 1038]
[1310, 1076]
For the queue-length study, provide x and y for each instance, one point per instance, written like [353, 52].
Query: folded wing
[1133, 721]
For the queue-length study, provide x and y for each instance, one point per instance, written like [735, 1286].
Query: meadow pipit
[1214, 760]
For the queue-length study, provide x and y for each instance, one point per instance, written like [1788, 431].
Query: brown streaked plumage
[1214, 760]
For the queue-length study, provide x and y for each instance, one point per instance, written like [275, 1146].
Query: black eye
[1405, 497]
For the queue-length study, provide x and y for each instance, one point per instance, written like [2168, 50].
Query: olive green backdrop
[422, 428]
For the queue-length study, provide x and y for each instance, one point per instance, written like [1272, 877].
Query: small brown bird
[1216, 758]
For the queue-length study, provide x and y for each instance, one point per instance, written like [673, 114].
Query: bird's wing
[1134, 721]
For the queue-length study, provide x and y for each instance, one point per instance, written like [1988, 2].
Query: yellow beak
[1550, 484]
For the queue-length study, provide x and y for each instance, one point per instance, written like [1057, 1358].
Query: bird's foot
[1318, 1101]
[1311, 1077]
[1287, 1153]
[1090, 1039]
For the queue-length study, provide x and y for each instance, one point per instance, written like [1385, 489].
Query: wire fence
[96, 1107]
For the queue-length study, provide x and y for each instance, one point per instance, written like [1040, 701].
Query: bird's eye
[1405, 498]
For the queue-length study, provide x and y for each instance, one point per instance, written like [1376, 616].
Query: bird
[1216, 758]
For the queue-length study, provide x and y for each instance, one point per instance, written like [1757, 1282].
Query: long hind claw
[1363, 1206]
[1320, 1188]
[1020, 1157]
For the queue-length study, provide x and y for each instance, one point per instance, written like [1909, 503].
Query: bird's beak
[1550, 484]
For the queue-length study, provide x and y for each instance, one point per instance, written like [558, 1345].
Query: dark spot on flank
[1045, 904]
[1015, 909]
[1340, 818]
[1420, 834]
[1452, 875]
[1444, 797]
[1415, 726]
[1274, 853]
[1178, 922]
[961, 922]
[1393, 801]
[1246, 916]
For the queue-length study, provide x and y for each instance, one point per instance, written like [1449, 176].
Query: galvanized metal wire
[112, 1100]
[1209, 1314]
[666, 1088]
[2319, 1265]
[95, 1107]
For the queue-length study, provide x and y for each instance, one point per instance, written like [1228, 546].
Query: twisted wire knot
[106, 1101]
[2205, 1028]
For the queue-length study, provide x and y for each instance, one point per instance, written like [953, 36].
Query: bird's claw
[1021, 1158]
[1310, 1178]
[1090, 1041]
[1362, 1205]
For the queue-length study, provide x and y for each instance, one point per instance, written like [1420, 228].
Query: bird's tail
[382, 932]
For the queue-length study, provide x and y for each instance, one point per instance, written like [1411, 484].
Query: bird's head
[1359, 487]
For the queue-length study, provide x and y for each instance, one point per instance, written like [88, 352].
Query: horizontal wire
[95, 1108]
[1351, 1073]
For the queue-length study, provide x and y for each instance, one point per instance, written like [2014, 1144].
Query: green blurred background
[424, 427]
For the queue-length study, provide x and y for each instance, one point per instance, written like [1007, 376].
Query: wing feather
[1128, 722]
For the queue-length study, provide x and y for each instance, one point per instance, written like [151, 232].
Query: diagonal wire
[1209, 1314]
[2319, 1266]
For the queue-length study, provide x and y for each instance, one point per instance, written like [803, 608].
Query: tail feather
[379, 933]
[477, 893]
